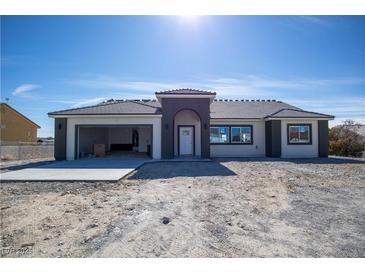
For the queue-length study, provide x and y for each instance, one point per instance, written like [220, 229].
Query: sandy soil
[230, 208]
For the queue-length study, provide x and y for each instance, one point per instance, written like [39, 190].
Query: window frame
[242, 143]
[298, 143]
[230, 134]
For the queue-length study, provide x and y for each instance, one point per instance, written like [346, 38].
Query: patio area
[111, 168]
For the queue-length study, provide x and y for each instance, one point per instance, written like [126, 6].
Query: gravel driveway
[228, 208]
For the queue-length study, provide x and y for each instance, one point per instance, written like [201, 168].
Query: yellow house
[15, 128]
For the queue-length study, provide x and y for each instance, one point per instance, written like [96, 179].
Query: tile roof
[219, 109]
[249, 109]
[297, 113]
[186, 91]
[119, 107]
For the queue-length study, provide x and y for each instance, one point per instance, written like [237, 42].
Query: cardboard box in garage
[99, 150]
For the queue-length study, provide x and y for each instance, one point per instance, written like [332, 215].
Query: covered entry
[187, 133]
[113, 140]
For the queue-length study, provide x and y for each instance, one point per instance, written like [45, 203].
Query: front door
[186, 140]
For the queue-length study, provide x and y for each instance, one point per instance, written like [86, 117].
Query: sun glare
[189, 19]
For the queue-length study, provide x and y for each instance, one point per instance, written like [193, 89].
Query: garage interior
[115, 141]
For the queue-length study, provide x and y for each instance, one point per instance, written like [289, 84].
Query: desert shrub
[344, 141]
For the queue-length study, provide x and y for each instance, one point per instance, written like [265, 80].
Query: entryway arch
[187, 133]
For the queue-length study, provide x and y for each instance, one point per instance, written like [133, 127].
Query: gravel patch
[224, 208]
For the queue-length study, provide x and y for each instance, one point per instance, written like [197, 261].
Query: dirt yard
[258, 208]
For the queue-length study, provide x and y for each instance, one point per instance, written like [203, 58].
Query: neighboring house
[15, 128]
[189, 122]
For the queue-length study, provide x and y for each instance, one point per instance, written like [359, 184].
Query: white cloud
[317, 20]
[24, 88]
[250, 86]
[308, 93]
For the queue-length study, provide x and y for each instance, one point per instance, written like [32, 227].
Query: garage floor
[110, 168]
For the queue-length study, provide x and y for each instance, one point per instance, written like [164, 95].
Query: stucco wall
[257, 149]
[188, 117]
[154, 121]
[298, 151]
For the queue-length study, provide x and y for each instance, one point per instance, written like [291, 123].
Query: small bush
[344, 141]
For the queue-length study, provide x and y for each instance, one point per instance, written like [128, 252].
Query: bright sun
[189, 19]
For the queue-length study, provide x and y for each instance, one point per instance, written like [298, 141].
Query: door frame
[178, 138]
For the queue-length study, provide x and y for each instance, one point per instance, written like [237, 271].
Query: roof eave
[75, 115]
[301, 117]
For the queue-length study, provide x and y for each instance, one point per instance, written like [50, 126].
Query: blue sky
[50, 63]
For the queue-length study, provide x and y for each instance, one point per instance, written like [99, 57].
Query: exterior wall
[154, 121]
[60, 145]
[273, 138]
[171, 106]
[302, 150]
[257, 149]
[188, 117]
[323, 143]
[15, 129]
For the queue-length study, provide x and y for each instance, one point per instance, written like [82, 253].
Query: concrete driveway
[91, 169]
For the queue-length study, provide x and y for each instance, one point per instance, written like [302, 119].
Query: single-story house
[189, 122]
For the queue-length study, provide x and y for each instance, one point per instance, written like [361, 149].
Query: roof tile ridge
[142, 103]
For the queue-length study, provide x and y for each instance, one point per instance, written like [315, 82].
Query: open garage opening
[124, 141]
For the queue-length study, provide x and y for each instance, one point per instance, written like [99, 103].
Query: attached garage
[113, 140]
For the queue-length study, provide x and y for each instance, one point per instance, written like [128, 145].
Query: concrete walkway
[91, 169]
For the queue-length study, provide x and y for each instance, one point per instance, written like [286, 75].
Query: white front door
[186, 140]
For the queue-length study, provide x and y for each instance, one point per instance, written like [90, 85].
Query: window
[241, 135]
[219, 135]
[299, 134]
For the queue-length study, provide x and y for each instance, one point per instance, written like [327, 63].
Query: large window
[299, 134]
[241, 135]
[232, 135]
[219, 135]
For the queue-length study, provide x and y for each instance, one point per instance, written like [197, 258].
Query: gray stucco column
[323, 143]
[273, 138]
[60, 138]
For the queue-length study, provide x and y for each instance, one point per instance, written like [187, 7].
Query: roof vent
[268, 100]
[252, 100]
[274, 100]
[225, 100]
